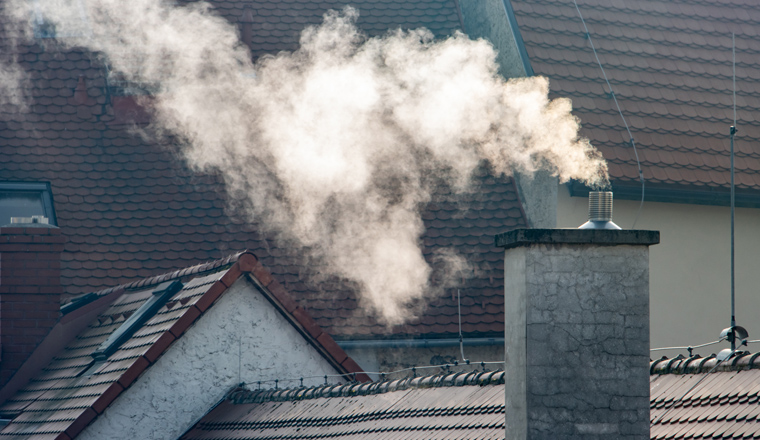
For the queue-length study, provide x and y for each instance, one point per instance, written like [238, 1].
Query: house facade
[130, 207]
[149, 358]
[670, 66]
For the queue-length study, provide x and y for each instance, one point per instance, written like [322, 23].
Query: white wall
[199, 368]
[690, 287]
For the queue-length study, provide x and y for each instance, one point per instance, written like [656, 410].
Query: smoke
[12, 80]
[337, 146]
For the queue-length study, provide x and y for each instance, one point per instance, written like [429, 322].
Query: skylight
[161, 295]
[26, 199]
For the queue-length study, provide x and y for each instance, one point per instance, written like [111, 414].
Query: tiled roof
[443, 407]
[690, 398]
[468, 226]
[71, 391]
[670, 66]
[275, 25]
[130, 209]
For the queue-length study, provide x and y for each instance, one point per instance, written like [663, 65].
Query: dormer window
[26, 199]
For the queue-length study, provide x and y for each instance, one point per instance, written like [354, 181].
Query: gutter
[674, 194]
[418, 343]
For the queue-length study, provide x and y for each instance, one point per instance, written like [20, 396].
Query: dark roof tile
[131, 209]
[670, 70]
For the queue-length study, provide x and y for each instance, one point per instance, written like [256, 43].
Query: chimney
[577, 333]
[30, 289]
[246, 24]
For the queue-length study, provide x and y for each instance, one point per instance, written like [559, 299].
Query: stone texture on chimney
[30, 291]
[577, 333]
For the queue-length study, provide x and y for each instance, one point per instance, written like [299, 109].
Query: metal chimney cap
[599, 211]
[599, 225]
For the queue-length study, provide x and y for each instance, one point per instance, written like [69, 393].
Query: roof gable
[74, 388]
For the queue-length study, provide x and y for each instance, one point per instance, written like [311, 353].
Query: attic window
[26, 199]
[71, 17]
[161, 295]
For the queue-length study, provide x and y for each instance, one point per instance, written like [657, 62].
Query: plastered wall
[690, 268]
[199, 368]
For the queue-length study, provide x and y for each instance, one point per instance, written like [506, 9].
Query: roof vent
[599, 211]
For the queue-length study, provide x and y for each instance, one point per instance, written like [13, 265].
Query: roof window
[161, 295]
[26, 199]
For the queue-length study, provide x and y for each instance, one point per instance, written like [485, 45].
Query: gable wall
[200, 367]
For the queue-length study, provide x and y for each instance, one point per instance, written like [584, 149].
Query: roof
[670, 66]
[467, 225]
[463, 405]
[130, 209]
[691, 398]
[72, 389]
[276, 24]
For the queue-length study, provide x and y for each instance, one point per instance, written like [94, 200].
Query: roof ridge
[179, 273]
[744, 360]
[242, 395]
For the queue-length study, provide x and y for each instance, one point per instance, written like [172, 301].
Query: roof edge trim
[713, 197]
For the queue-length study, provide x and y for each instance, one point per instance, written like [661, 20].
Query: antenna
[461, 339]
[734, 331]
[733, 203]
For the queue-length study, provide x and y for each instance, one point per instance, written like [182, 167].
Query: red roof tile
[670, 68]
[462, 405]
[694, 398]
[130, 209]
[65, 397]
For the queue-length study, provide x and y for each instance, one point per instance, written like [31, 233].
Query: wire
[689, 347]
[379, 373]
[617, 104]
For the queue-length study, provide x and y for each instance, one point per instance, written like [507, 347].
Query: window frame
[46, 193]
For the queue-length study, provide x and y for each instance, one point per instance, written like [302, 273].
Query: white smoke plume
[336, 146]
[13, 78]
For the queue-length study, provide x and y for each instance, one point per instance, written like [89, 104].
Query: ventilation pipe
[599, 211]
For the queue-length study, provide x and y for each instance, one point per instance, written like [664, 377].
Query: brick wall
[30, 291]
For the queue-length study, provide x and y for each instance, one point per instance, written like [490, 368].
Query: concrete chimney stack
[577, 333]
